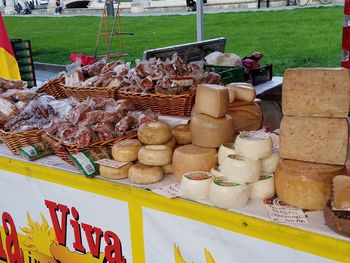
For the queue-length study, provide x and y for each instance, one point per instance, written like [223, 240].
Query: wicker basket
[63, 150]
[176, 105]
[54, 88]
[15, 140]
[81, 93]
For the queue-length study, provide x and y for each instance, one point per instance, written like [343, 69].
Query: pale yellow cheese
[188, 158]
[156, 155]
[312, 139]
[323, 92]
[207, 131]
[305, 185]
[115, 173]
[182, 134]
[247, 117]
[126, 151]
[171, 143]
[154, 132]
[168, 169]
[212, 100]
[143, 174]
[243, 92]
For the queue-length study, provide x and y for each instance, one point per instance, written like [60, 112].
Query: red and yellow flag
[8, 63]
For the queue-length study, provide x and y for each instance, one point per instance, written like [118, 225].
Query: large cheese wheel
[246, 117]
[323, 92]
[225, 150]
[115, 173]
[156, 155]
[254, 145]
[182, 134]
[168, 169]
[126, 151]
[312, 139]
[240, 169]
[243, 92]
[188, 158]
[154, 132]
[341, 193]
[144, 174]
[171, 143]
[207, 131]
[269, 164]
[195, 185]
[305, 185]
[228, 195]
[212, 100]
[264, 188]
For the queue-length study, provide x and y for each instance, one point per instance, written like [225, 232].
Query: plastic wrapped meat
[53, 126]
[63, 107]
[9, 94]
[97, 103]
[109, 117]
[90, 117]
[77, 113]
[104, 131]
[83, 137]
[6, 84]
[124, 125]
[120, 106]
[24, 95]
[21, 104]
[7, 109]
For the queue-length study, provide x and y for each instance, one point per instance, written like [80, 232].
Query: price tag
[169, 191]
[111, 163]
[286, 214]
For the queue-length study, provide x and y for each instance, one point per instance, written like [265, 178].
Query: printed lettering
[77, 244]
[94, 246]
[14, 252]
[113, 250]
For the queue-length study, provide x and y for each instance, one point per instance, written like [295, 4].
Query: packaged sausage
[35, 151]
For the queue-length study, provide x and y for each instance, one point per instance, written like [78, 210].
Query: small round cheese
[305, 185]
[207, 131]
[143, 174]
[254, 145]
[156, 155]
[228, 195]
[154, 132]
[216, 171]
[188, 158]
[182, 134]
[195, 185]
[171, 143]
[269, 164]
[168, 169]
[241, 169]
[126, 151]
[115, 173]
[264, 188]
[225, 150]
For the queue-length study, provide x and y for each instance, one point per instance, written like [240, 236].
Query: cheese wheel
[207, 131]
[168, 169]
[216, 171]
[305, 185]
[254, 145]
[144, 174]
[228, 195]
[269, 164]
[225, 150]
[241, 169]
[188, 158]
[171, 143]
[182, 134]
[195, 185]
[231, 95]
[246, 117]
[126, 151]
[264, 188]
[154, 132]
[244, 92]
[156, 155]
[115, 173]
[341, 193]
[212, 100]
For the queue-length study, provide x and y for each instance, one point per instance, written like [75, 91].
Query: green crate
[228, 74]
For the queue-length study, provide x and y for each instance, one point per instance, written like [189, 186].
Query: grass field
[287, 38]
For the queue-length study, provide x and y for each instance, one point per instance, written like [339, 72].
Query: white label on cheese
[169, 191]
[286, 214]
[111, 163]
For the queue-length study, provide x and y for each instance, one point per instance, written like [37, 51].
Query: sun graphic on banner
[179, 259]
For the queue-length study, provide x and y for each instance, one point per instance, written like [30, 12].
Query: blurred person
[59, 7]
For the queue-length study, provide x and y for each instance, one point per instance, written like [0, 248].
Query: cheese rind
[155, 155]
[246, 117]
[323, 92]
[154, 132]
[115, 173]
[305, 185]
[207, 131]
[195, 185]
[171, 143]
[182, 134]
[319, 140]
[144, 174]
[212, 100]
[254, 145]
[264, 188]
[225, 150]
[269, 164]
[126, 151]
[243, 92]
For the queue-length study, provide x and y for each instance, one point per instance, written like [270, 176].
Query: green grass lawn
[288, 38]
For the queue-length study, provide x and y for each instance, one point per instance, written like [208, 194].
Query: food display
[155, 155]
[182, 134]
[263, 188]
[225, 150]
[115, 172]
[126, 151]
[154, 133]
[242, 91]
[144, 174]
[195, 185]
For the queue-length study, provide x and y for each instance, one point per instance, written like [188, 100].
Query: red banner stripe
[4, 39]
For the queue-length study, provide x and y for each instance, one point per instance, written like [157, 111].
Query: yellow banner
[8, 66]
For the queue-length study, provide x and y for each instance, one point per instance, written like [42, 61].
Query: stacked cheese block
[313, 134]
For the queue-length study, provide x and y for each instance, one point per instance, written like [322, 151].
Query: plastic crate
[260, 75]
[228, 74]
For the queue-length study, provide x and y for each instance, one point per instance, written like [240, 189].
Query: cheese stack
[313, 134]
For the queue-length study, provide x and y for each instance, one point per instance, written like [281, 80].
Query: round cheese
[241, 169]
[171, 143]
[143, 174]
[228, 195]
[126, 151]
[168, 169]
[156, 155]
[154, 132]
[115, 173]
[243, 92]
[182, 134]
[254, 145]
[264, 188]
[269, 164]
[305, 185]
[207, 131]
[195, 185]
[188, 158]
[216, 171]
[247, 117]
[225, 150]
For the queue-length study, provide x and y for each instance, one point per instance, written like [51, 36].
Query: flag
[8, 63]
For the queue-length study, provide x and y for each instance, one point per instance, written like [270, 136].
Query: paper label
[30, 150]
[224, 182]
[169, 191]
[197, 176]
[286, 214]
[111, 163]
[85, 164]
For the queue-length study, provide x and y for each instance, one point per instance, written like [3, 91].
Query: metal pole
[200, 15]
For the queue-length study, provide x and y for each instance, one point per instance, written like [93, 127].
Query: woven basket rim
[89, 88]
[132, 93]
[20, 132]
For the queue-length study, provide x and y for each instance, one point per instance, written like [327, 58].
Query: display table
[112, 219]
